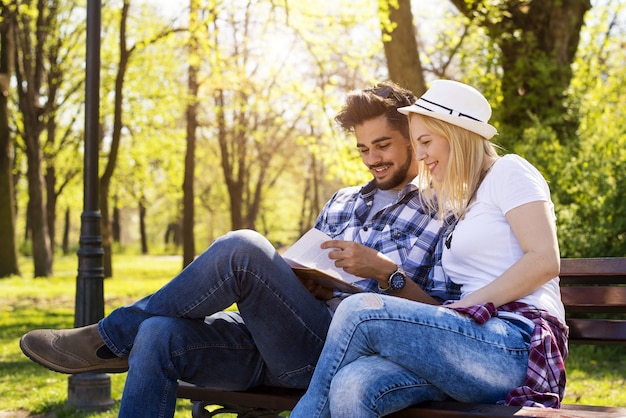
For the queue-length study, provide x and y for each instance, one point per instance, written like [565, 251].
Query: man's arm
[366, 262]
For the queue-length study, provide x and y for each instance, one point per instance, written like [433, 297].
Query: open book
[310, 262]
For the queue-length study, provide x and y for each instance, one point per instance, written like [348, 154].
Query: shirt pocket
[396, 243]
[335, 228]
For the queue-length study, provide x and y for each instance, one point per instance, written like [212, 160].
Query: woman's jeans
[275, 338]
[383, 354]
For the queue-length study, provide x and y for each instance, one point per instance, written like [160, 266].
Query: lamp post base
[90, 391]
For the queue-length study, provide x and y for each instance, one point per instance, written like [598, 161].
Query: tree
[125, 53]
[537, 41]
[62, 139]
[590, 183]
[191, 117]
[116, 135]
[400, 45]
[31, 39]
[8, 255]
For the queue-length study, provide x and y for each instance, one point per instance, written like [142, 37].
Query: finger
[337, 254]
[333, 243]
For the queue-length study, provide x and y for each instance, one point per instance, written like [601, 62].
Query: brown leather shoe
[71, 351]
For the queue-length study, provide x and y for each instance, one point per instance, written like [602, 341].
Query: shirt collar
[368, 190]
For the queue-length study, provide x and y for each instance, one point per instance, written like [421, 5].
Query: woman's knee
[359, 304]
[349, 396]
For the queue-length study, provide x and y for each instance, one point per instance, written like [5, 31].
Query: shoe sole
[65, 370]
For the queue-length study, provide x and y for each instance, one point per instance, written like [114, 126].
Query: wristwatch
[395, 282]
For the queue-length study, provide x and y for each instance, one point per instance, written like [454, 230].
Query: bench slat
[279, 399]
[595, 331]
[594, 299]
[601, 270]
[600, 266]
[460, 410]
[596, 280]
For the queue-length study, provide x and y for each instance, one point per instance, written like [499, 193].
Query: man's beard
[397, 177]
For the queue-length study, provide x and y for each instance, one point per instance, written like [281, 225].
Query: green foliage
[587, 188]
[585, 172]
[592, 183]
[285, 78]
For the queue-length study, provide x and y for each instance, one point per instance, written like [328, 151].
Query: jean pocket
[298, 378]
[525, 327]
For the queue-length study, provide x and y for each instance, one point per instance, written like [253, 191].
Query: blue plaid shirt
[403, 231]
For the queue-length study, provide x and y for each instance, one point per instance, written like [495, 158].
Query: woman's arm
[533, 227]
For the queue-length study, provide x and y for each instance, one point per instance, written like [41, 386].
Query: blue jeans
[383, 354]
[275, 338]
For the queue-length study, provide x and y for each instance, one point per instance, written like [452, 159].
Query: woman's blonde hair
[468, 152]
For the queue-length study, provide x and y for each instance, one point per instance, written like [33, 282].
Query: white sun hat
[455, 103]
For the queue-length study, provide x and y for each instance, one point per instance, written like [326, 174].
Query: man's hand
[366, 262]
[360, 260]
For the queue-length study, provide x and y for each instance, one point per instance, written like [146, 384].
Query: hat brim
[483, 129]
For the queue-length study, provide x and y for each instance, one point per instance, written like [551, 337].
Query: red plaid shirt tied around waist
[544, 385]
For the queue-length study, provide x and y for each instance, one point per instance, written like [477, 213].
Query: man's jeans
[275, 338]
[383, 354]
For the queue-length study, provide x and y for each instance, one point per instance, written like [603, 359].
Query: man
[379, 232]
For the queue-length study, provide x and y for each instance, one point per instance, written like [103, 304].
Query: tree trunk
[30, 74]
[400, 44]
[107, 175]
[233, 153]
[142, 228]
[173, 234]
[8, 254]
[310, 197]
[66, 233]
[105, 226]
[42, 251]
[536, 61]
[51, 203]
[189, 247]
[116, 226]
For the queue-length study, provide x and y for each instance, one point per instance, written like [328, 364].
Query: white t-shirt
[483, 245]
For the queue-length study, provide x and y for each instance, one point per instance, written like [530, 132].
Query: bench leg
[199, 411]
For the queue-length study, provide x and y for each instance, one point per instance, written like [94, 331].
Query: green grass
[27, 303]
[596, 375]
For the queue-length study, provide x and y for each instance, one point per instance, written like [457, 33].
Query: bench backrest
[594, 294]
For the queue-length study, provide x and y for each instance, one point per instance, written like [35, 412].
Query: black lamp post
[90, 391]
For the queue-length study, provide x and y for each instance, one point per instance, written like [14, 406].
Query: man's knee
[243, 241]
[155, 331]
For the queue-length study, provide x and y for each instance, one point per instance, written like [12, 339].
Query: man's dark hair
[383, 99]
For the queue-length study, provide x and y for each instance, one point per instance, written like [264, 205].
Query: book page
[307, 258]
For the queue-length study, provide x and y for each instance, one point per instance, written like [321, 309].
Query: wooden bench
[589, 286]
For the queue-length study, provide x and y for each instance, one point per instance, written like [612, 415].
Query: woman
[505, 340]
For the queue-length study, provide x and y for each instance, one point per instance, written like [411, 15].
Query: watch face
[396, 281]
